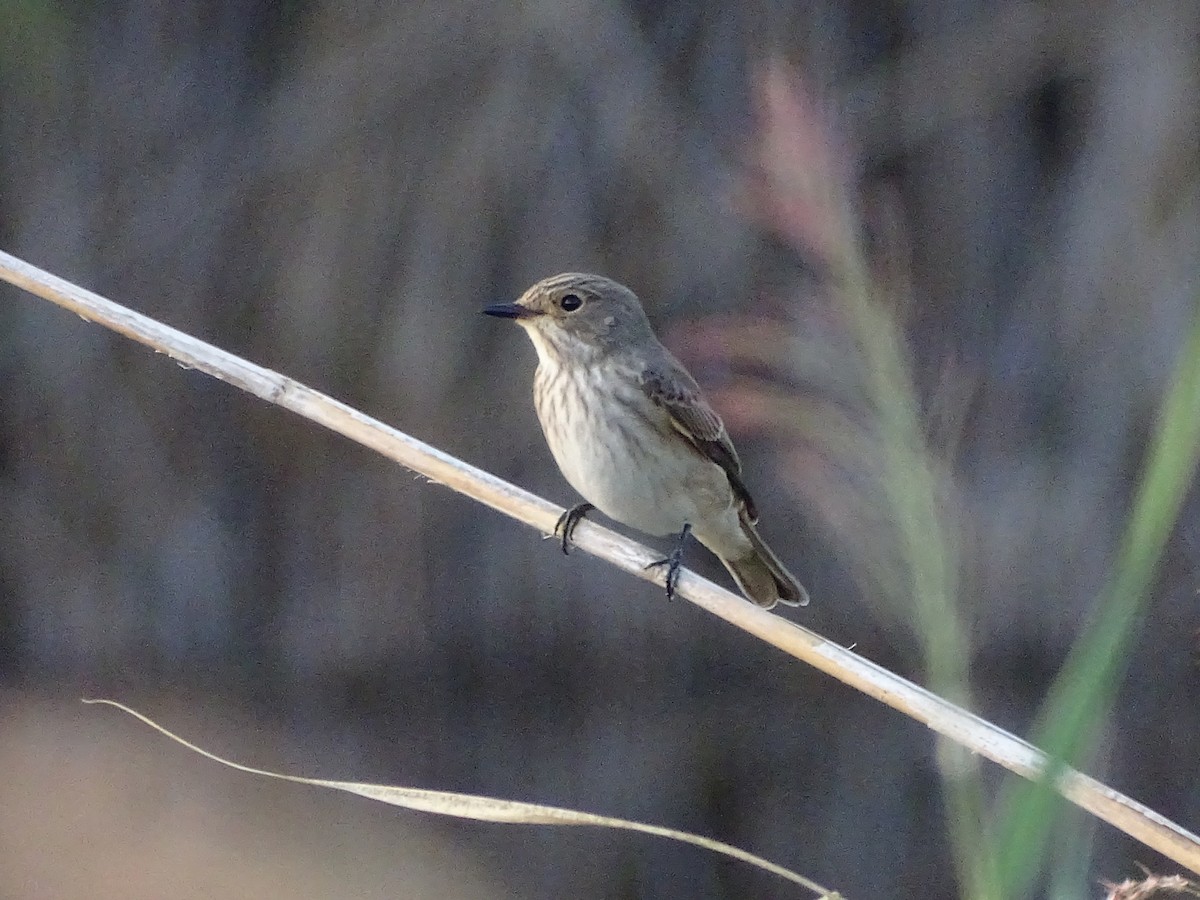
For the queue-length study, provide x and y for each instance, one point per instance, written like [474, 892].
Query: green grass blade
[1083, 694]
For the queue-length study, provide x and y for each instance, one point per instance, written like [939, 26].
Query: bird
[631, 432]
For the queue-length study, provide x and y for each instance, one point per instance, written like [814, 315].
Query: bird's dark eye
[570, 302]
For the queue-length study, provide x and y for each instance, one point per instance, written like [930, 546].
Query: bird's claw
[568, 521]
[673, 562]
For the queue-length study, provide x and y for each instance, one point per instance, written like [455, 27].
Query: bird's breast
[620, 452]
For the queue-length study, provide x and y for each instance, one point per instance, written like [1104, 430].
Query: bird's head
[578, 316]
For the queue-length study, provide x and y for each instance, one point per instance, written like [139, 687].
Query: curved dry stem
[490, 809]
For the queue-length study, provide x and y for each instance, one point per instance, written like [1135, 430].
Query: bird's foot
[673, 562]
[567, 522]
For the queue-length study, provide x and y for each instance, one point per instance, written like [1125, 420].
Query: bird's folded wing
[674, 391]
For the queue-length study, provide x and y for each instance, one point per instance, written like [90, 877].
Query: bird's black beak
[509, 311]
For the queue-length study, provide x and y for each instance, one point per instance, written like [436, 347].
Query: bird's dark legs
[565, 526]
[674, 561]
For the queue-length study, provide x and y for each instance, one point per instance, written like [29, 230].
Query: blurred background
[335, 192]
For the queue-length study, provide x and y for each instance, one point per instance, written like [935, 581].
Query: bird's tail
[761, 575]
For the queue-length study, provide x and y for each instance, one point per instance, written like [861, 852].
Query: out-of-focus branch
[942, 716]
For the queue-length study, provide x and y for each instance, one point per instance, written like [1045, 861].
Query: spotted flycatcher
[632, 433]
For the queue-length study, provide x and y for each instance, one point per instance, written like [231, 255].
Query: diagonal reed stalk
[964, 729]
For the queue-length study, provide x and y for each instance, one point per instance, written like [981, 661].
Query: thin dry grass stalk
[953, 722]
[492, 809]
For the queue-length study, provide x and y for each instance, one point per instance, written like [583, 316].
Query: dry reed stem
[967, 729]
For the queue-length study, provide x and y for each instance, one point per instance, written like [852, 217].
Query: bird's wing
[672, 389]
